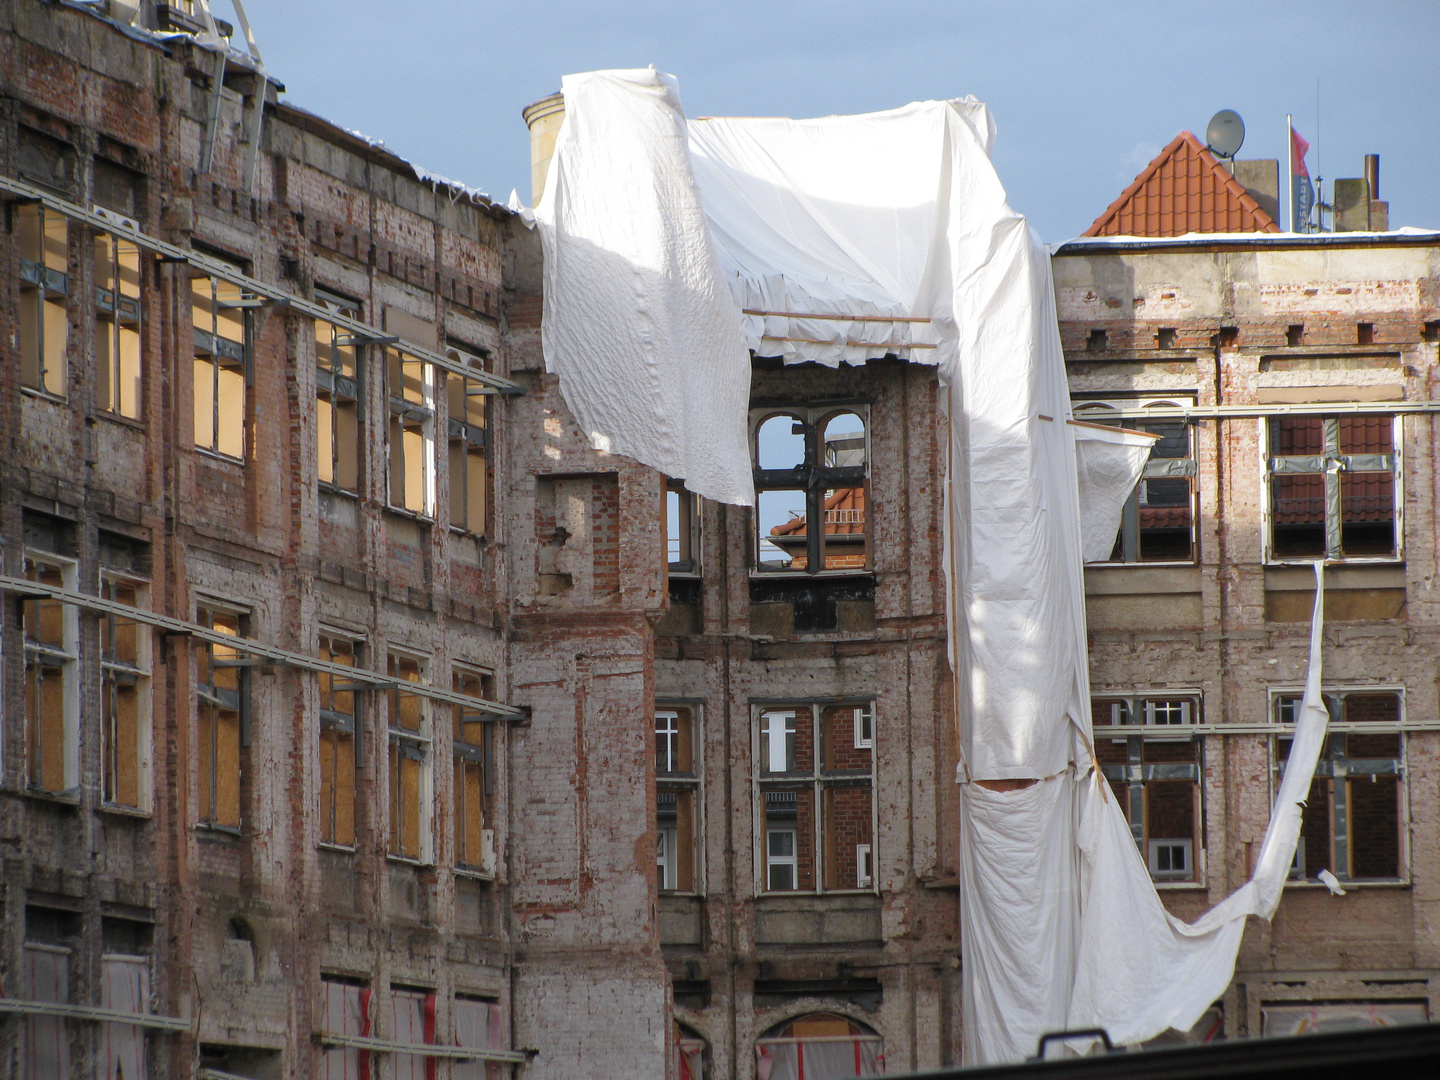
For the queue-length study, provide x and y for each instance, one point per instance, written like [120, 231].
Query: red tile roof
[1185, 189]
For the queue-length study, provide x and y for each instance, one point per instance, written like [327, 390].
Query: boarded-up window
[337, 742]
[221, 693]
[478, 1024]
[51, 630]
[125, 987]
[1354, 819]
[44, 288]
[817, 809]
[117, 326]
[337, 391]
[47, 1038]
[222, 359]
[677, 800]
[410, 385]
[409, 762]
[474, 786]
[412, 1022]
[469, 468]
[125, 695]
[345, 1010]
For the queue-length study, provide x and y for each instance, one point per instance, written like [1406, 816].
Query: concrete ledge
[817, 920]
[1302, 578]
[1132, 579]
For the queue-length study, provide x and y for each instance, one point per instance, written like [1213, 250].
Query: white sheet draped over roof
[899, 217]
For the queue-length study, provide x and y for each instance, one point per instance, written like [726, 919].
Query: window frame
[1093, 409]
[334, 390]
[219, 352]
[813, 478]
[468, 441]
[1136, 772]
[218, 698]
[482, 755]
[817, 781]
[52, 285]
[680, 782]
[687, 526]
[63, 657]
[1340, 812]
[336, 723]
[416, 745]
[402, 414]
[112, 671]
[1333, 550]
[119, 313]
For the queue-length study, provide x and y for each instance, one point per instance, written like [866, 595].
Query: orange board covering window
[338, 729]
[51, 715]
[473, 789]
[44, 331]
[124, 696]
[409, 762]
[221, 684]
[468, 460]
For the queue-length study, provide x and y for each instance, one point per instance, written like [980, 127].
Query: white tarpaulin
[846, 238]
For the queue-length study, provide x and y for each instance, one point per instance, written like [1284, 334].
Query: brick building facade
[347, 692]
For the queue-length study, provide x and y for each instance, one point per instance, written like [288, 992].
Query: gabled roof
[1184, 190]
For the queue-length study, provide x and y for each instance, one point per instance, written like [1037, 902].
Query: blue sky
[1084, 93]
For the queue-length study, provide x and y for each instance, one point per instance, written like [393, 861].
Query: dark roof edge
[1241, 241]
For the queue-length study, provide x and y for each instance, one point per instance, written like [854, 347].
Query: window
[810, 465]
[338, 747]
[52, 718]
[821, 1046]
[469, 467]
[1334, 487]
[677, 800]
[479, 1024]
[124, 987]
[412, 1022]
[345, 1008]
[47, 1038]
[1158, 521]
[222, 361]
[117, 326]
[682, 529]
[222, 685]
[474, 773]
[1319, 1017]
[1354, 817]
[802, 850]
[409, 717]
[412, 433]
[337, 393]
[125, 695]
[44, 287]
[1155, 777]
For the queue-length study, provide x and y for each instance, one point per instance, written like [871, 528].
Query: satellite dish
[1225, 133]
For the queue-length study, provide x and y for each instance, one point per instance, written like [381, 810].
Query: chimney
[1372, 174]
[543, 118]
[1379, 211]
[1357, 207]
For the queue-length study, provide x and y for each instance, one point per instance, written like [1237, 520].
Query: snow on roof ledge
[1409, 234]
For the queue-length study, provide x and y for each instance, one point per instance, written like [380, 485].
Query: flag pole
[1290, 169]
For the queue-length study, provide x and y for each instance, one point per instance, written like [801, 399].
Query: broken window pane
[677, 800]
[124, 696]
[1333, 484]
[117, 326]
[337, 407]
[411, 434]
[780, 443]
[409, 762]
[472, 734]
[782, 540]
[338, 729]
[468, 441]
[682, 528]
[51, 632]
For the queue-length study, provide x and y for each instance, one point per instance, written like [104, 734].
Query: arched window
[689, 1053]
[821, 1046]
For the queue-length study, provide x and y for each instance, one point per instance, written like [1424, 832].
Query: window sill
[120, 811]
[405, 860]
[676, 894]
[411, 515]
[224, 833]
[472, 874]
[815, 894]
[339, 492]
[130, 422]
[216, 456]
[1107, 565]
[43, 395]
[806, 575]
[458, 531]
[1349, 886]
[1179, 886]
[1385, 560]
[338, 849]
[56, 798]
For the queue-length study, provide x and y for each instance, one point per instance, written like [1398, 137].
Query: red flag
[1298, 149]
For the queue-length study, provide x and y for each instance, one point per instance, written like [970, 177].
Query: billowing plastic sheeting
[896, 223]
[638, 322]
[1038, 961]
[1109, 462]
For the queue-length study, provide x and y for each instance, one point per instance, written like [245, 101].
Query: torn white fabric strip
[1109, 462]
